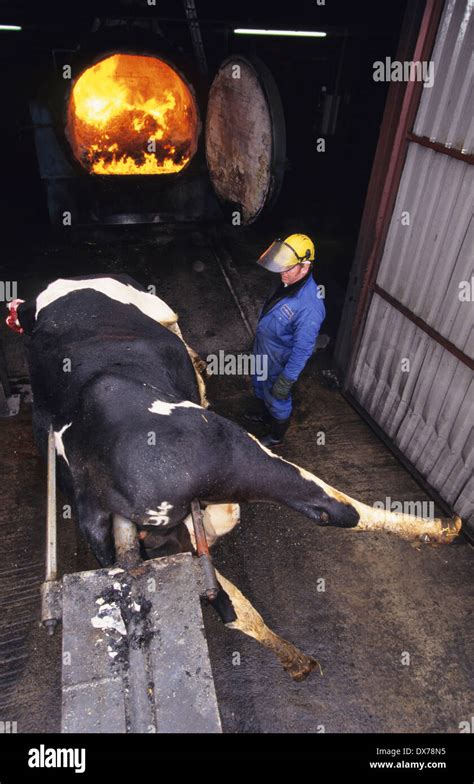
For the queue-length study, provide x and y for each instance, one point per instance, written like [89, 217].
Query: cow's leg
[257, 474]
[96, 526]
[250, 622]
[237, 612]
[218, 519]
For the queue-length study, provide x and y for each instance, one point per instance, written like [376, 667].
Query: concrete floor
[383, 597]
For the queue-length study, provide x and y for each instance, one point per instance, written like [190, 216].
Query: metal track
[243, 303]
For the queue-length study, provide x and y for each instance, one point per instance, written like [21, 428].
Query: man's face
[294, 274]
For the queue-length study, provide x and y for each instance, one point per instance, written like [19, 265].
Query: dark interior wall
[327, 189]
[323, 193]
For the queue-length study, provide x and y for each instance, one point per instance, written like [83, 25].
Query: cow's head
[325, 510]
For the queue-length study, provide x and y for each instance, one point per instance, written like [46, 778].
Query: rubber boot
[257, 412]
[278, 428]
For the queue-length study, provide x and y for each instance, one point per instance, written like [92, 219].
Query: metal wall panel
[427, 408]
[428, 411]
[445, 114]
[425, 261]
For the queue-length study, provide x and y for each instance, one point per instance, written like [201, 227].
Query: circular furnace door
[245, 136]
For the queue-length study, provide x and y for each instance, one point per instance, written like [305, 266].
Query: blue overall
[287, 334]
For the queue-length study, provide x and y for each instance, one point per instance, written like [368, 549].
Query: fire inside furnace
[132, 114]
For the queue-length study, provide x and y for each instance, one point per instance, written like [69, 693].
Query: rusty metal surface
[451, 151]
[211, 587]
[425, 327]
[245, 159]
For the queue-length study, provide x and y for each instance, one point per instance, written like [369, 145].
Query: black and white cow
[134, 437]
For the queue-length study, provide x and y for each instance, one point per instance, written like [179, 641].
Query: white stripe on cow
[165, 409]
[149, 304]
[58, 441]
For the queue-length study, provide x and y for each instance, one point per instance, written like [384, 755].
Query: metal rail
[223, 264]
[211, 585]
[51, 588]
[434, 335]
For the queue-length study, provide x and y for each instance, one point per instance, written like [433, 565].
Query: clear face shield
[280, 257]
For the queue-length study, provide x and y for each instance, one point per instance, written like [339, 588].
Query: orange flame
[132, 114]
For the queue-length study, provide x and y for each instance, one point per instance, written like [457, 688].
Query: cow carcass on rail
[124, 394]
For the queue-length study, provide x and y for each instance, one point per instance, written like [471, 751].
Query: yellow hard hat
[287, 253]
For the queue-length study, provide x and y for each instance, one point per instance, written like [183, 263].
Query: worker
[286, 334]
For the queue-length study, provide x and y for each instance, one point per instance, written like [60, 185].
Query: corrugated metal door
[413, 372]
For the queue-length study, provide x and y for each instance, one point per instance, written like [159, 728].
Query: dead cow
[124, 394]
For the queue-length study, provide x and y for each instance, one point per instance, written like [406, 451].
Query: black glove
[281, 388]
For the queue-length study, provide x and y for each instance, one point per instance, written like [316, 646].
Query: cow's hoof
[451, 530]
[300, 667]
